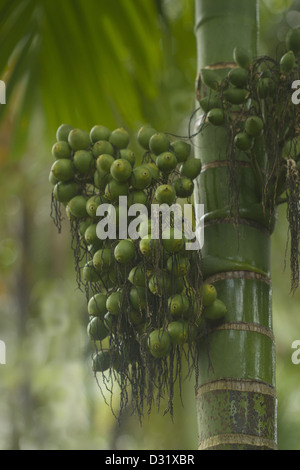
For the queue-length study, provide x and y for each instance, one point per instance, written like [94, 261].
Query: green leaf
[82, 62]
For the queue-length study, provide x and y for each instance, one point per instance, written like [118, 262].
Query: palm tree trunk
[235, 393]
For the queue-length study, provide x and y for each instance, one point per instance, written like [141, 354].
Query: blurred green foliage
[121, 63]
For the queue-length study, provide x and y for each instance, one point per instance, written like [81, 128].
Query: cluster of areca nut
[252, 88]
[252, 99]
[251, 84]
[146, 296]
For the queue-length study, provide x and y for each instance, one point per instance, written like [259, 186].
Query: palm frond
[78, 61]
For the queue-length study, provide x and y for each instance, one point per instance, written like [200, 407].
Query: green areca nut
[119, 138]
[61, 149]
[124, 252]
[181, 150]
[114, 303]
[292, 40]
[241, 57]
[137, 276]
[101, 361]
[102, 146]
[92, 205]
[137, 196]
[52, 179]
[254, 126]
[166, 162]
[90, 235]
[287, 62]
[147, 245]
[183, 186]
[210, 102]
[178, 265]
[77, 206]
[103, 259]
[136, 317]
[141, 177]
[144, 135]
[97, 305]
[63, 131]
[210, 78]
[89, 273]
[83, 161]
[178, 331]
[159, 343]
[110, 320]
[172, 240]
[101, 180]
[165, 194]
[243, 141]
[65, 191]
[215, 311]
[63, 169]
[96, 329]
[104, 162]
[178, 305]
[84, 224]
[216, 116]
[99, 133]
[191, 168]
[137, 297]
[159, 143]
[121, 170]
[235, 95]
[114, 189]
[79, 139]
[154, 170]
[209, 294]
[128, 155]
[159, 283]
[238, 77]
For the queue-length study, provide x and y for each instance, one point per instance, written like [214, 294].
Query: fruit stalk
[235, 393]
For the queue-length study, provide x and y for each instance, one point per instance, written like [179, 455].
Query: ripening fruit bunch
[145, 297]
[179, 330]
[238, 99]
[228, 97]
[100, 164]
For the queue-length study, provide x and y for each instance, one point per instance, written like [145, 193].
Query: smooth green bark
[236, 397]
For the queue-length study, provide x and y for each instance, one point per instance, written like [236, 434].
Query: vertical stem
[236, 397]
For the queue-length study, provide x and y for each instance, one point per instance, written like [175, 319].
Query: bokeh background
[121, 63]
